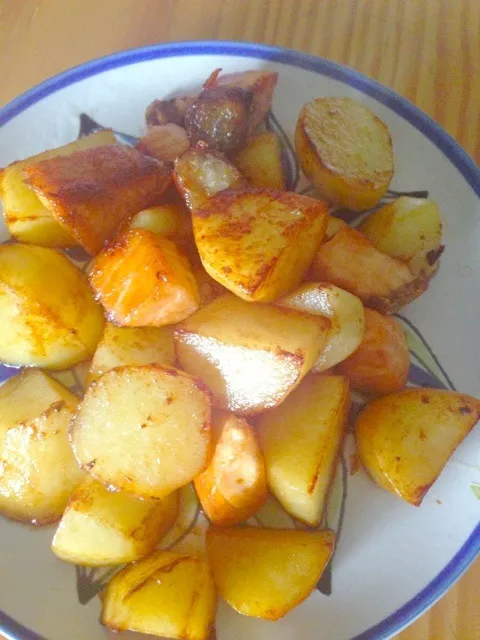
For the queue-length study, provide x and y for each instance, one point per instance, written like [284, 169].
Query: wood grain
[427, 50]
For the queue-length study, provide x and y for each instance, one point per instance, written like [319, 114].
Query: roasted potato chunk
[166, 594]
[164, 142]
[143, 429]
[380, 364]
[251, 356]
[142, 279]
[38, 471]
[233, 487]
[259, 243]
[101, 527]
[265, 573]
[27, 219]
[170, 220]
[92, 193]
[345, 312]
[334, 225]
[48, 317]
[301, 440]
[260, 161]
[345, 151]
[405, 439]
[350, 261]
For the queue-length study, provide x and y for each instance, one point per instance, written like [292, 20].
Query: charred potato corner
[224, 321]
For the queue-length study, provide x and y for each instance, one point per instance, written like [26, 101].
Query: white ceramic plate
[392, 560]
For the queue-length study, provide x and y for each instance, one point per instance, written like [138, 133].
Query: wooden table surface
[427, 50]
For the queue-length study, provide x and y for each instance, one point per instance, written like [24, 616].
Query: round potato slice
[143, 429]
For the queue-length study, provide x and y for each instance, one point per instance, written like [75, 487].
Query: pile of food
[226, 320]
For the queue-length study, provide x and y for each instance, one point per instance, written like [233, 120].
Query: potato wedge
[345, 312]
[251, 356]
[345, 151]
[350, 261]
[200, 173]
[165, 594]
[48, 317]
[92, 193]
[334, 225]
[301, 440]
[27, 219]
[380, 364]
[259, 243]
[405, 439]
[170, 220]
[142, 279]
[131, 345]
[265, 573]
[164, 142]
[233, 487]
[143, 429]
[260, 161]
[38, 471]
[101, 527]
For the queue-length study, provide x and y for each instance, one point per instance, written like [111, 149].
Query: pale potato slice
[27, 219]
[143, 429]
[265, 573]
[346, 315]
[233, 487]
[48, 317]
[345, 150]
[301, 440]
[381, 363]
[260, 161]
[405, 439]
[259, 243]
[171, 220]
[38, 471]
[101, 527]
[251, 356]
[166, 594]
[131, 345]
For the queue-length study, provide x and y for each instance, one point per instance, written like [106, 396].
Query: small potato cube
[233, 487]
[260, 161]
[380, 364]
[170, 220]
[265, 573]
[164, 142]
[92, 193]
[301, 440]
[350, 261]
[131, 345]
[259, 243]
[405, 439]
[143, 429]
[345, 150]
[27, 219]
[144, 280]
[101, 527]
[48, 317]
[334, 225]
[251, 356]
[38, 471]
[165, 594]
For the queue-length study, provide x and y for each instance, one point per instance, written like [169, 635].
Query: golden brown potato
[260, 161]
[251, 356]
[171, 220]
[265, 573]
[334, 225]
[48, 317]
[380, 364]
[101, 527]
[142, 279]
[164, 142]
[259, 243]
[345, 150]
[27, 219]
[350, 261]
[92, 193]
[143, 429]
[38, 471]
[233, 487]
[166, 594]
[131, 345]
[405, 439]
[301, 440]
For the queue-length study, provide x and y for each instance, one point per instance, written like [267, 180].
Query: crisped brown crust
[168, 111]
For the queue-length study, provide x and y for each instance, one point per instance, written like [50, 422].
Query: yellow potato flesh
[260, 161]
[170, 220]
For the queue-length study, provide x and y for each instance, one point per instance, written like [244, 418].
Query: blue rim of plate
[460, 562]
